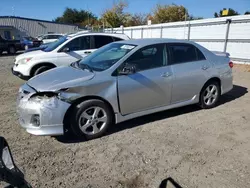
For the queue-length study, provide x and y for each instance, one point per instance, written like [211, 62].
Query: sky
[50, 9]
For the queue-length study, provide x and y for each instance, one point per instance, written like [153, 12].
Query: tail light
[231, 65]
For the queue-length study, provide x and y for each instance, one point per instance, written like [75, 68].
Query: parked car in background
[50, 38]
[41, 47]
[121, 81]
[10, 46]
[29, 42]
[62, 52]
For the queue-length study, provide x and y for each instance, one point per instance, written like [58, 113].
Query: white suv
[48, 38]
[62, 52]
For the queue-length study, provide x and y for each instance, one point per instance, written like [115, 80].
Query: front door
[190, 69]
[150, 86]
[79, 48]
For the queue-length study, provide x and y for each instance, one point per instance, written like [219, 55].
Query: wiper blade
[86, 66]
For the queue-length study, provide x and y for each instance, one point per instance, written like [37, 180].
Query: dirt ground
[197, 148]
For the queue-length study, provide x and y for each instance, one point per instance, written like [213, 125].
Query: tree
[231, 12]
[115, 16]
[191, 17]
[79, 17]
[247, 12]
[169, 13]
[137, 19]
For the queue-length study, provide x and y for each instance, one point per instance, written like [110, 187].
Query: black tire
[11, 50]
[41, 69]
[204, 102]
[80, 109]
[1, 52]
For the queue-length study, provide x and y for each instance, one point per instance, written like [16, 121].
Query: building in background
[12, 27]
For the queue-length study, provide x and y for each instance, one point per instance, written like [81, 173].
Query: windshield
[54, 45]
[106, 56]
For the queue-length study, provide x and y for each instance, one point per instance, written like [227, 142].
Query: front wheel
[91, 119]
[210, 95]
[41, 70]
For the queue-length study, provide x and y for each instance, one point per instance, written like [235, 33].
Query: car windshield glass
[54, 45]
[106, 56]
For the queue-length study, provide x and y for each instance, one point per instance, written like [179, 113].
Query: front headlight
[24, 60]
[48, 100]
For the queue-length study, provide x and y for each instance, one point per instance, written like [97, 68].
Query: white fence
[228, 34]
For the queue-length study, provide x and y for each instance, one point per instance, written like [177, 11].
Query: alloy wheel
[210, 95]
[93, 120]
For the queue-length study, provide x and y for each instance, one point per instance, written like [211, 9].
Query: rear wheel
[210, 95]
[91, 119]
[11, 50]
[41, 69]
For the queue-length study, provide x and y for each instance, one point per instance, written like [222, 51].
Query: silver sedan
[121, 81]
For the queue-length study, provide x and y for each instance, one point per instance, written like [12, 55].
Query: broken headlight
[47, 99]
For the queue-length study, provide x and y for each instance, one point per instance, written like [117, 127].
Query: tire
[26, 47]
[11, 50]
[1, 52]
[210, 95]
[91, 119]
[41, 69]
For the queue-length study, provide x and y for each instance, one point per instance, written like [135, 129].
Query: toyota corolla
[121, 81]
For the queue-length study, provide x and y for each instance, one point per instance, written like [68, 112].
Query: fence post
[161, 31]
[228, 21]
[131, 33]
[112, 30]
[142, 32]
[189, 29]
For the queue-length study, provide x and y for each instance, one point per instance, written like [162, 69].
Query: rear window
[181, 53]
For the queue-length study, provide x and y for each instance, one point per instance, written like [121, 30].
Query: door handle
[166, 74]
[205, 67]
[87, 52]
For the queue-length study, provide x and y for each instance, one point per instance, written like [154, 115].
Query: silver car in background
[121, 81]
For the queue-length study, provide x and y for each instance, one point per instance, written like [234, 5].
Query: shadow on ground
[235, 93]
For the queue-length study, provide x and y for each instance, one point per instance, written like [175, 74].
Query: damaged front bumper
[40, 115]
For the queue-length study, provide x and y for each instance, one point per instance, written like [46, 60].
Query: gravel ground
[197, 148]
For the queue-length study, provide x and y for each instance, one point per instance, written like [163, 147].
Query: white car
[63, 52]
[48, 38]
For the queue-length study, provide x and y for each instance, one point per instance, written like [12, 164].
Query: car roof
[150, 41]
[52, 34]
[119, 35]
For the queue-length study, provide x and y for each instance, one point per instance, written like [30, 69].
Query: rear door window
[181, 53]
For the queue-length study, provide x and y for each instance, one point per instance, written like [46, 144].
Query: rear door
[190, 69]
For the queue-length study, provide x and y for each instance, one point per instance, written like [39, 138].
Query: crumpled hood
[60, 78]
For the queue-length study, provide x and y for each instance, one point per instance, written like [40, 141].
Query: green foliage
[137, 19]
[74, 16]
[169, 13]
[115, 16]
[247, 12]
[231, 12]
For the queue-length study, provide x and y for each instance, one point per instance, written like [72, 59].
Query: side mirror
[9, 172]
[128, 69]
[65, 50]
